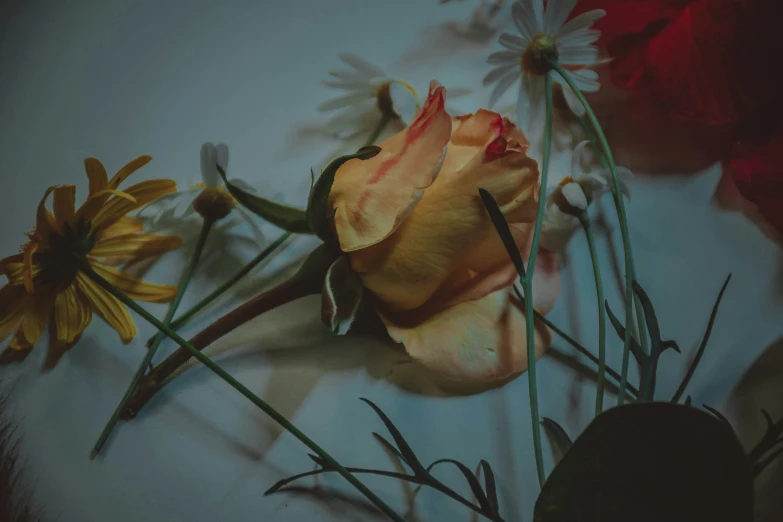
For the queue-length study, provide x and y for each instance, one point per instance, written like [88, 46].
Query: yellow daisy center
[541, 50]
[57, 259]
[214, 203]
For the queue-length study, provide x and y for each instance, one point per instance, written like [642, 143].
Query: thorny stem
[622, 218]
[183, 285]
[527, 286]
[599, 290]
[180, 321]
[220, 372]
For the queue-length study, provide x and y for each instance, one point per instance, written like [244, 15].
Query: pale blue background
[117, 79]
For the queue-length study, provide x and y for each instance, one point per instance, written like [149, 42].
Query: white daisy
[574, 193]
[370, 95]
[544, 36]
[170, 209]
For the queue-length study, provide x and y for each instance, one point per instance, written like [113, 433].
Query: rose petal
[373, 197]
[482, 340]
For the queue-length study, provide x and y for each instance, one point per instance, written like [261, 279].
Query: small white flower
[370, 94]
[543, 35]
[574, 193]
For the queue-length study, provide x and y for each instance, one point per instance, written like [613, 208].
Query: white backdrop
[117, 79]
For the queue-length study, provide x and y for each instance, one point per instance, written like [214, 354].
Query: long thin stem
[220, 372]
[385, 119]
[633, 392]
[184, 281]
[182, 320]
[527, 285]
[599, 290]
[642, 324]
[620, 206]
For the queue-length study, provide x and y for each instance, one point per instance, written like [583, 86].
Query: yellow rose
[415, 232]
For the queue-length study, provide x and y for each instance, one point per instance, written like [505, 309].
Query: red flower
[702, 60]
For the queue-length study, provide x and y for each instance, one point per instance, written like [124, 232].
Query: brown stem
[307, 281]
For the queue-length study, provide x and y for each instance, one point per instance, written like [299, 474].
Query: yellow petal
[13, 301]
[35, 315]
[132, 287]
[373, 197]
[143, 193]
[480, 341]
[127, 170]
[64, 203]
[72, 314]
[124, 225]
[451, 223]
[108, 307]
[11, 261]
[29, 250]
[44, 224]
[96, 172]
[135, 246]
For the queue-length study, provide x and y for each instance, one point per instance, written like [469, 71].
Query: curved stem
[620, 206]
[385, 119]
[220, 372]
[527, 285]
[641, 323]
[182, 320]
[632, 391]
[599, 290]
[183, 285]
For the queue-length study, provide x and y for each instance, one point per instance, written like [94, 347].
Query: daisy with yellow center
[44, 283]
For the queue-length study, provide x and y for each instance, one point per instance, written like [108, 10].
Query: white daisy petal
[586, 80]
[497, 73]
[583, 36]
[572, 101]
[536, 110]
[349, 86]
[577, 159]
[581, 21]
[578, 55]
[624, 171]
[504, 58]
[209, 157]
[510, 41]
[361, 65]
[503, 84]
[523, 103]
[538, 12]
[349, 124]
[344, 101]
[350, 76]
[525, 19]
[575, 196]
[556, 13]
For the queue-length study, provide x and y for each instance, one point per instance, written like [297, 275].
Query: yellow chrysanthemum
[44, 283]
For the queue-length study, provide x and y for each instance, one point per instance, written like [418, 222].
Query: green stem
[180, 321]
[385, 119]
[85, 268]
[183, 284]
[632, 391]
[599, 290]
[527, 285]
[620, 206]
[640, 322]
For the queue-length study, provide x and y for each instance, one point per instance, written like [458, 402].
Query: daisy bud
[213, 204]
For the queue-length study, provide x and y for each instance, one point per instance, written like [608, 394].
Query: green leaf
[649, 313]
[650, 462]
[501, 225]
[407, 454]
[389, 446]
[558, 438]
[290, 219]
[341, 296]
[703, 346]
[318, 202]
[489, 486]
[473, 482]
